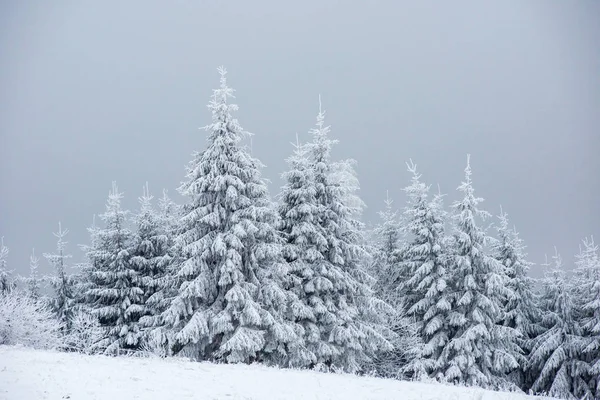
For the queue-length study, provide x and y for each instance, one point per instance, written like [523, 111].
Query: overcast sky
[95, 91]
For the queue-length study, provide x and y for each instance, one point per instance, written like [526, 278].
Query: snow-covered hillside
[31, 375]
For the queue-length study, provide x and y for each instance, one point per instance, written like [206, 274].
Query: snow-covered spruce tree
[82, 276]
[479, 352]
[61, 282]
[160, 336]
[386, 253]
[346, 328]
[33, 281]
[149, 253]
[86, 334]
[422, 276]
[554, 353]
[6, 283]
[385, 249]
[231, 302]
[165, 283]
[114, 294]
[586, 290]
[520, 307]
[168, 214]
[304, 244]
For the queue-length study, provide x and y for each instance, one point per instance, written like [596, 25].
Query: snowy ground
[31, 375]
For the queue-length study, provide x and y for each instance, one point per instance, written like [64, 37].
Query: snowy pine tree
[230, 303]
[479, 352]
[422, 276]
[587, 300]
[33, 281]
[520, 307]
[82, 277]
[343, 329]
[304, 243]
[114, 294]
[149, 252]
[386, 253]
[86, 334]
[554, 354]
[6, 284]
[168, 214]
[62, 283]
[165, 283]
[422, 269]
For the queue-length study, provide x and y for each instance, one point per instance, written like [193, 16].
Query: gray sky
[100, 91]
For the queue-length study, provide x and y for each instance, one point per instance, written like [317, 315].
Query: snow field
[32, 375]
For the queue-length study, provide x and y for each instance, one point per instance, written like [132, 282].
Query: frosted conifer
[554, 354]
[168, 213]
[304, 243]
[386, 252]
[586, 288]
[520, 307]
[230, 304]
[62, 283]
[82, 277]
[153, 257]
[115, 294]
[479, 352]
[149, 252]
[423, 277]
[164, 283]
[33, 281]
[344, 329]
[6, 284]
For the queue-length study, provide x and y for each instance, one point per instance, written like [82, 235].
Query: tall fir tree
[230, 304]
[82, 276]
[422, 276]
[33, 281]
[6, 284]
[346, 329]
[386, 253]
[554, 357]
[304, 244]
[587, 301]
[520, 306]
[115, 294]
[149, 252]
[479, 352]
[168, 214]
[164, 283]
[61, 281]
